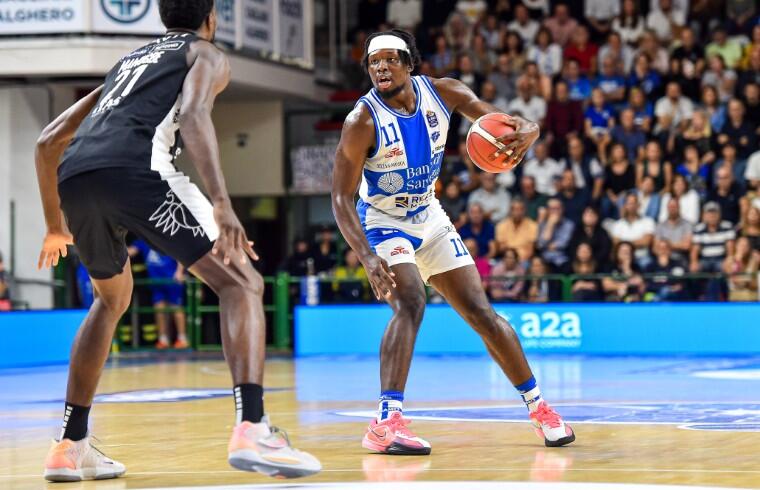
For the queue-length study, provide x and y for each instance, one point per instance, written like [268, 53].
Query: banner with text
[258, 25]
[42, 16]
[126, 16]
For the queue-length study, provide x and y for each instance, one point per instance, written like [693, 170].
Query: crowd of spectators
[648, 166]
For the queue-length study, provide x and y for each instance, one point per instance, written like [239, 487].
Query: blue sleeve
[563, 234]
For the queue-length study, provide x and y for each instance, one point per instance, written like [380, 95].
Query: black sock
[75, 422]
[249, 402]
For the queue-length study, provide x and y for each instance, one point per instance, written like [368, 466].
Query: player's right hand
[54, 247]
[380, 276]
[232, 241]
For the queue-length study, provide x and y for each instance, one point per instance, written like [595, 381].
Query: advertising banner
[49, 332]
[258, 25]
[42, 16]
[563, 328]
[226, 21]
[126, 17]
[292, 29]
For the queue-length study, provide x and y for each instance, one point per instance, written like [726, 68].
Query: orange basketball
[482, 145]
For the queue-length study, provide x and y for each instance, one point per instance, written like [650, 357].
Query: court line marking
[437, 470]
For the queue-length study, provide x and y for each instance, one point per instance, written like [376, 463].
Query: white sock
[532, 398]
[386, 408]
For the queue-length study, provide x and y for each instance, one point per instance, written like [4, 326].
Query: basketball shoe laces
[548, 416]
[276, 432]
[399, 424]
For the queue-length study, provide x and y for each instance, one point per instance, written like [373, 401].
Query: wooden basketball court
[169, 421]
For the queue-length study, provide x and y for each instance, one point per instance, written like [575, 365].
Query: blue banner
[564, 328]
[34, 338]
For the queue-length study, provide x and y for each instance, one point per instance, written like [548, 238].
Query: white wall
[256, 168]
[23, 114]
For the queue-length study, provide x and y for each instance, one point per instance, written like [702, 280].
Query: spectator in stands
[482, 58]
[752, 172]
[643, 110]
[658, 56]
[554, 234]
[506, 284]
[493, 200]
[480, 229]
[588, 172]
[727, 194]
[514, 47]
[442, 59]
[405, 14]
[457, 32]
[630, 23]
[645, 77]
[583, 51]
[619, 178]
[533, 200]
[523, 25]
[491, 33]
[473, 10]
[166, 295]
[325, 251]
[752, 73]
[697, 133]
[728, 49]
[751, 99]
[742, 268]
[5, 303]
[351, 284]
[463, 171]
[488, 94]
[584, 263]
[544, 169]
[687, 199]
[690, 53]
[633, 228]
[503, 78]
[620, 53]
[649, 200]
[712, 242]
[676, 231]
[737, 168]
[696, 172]
[653, 165]
[527, 103]
[738, 131]
[564, 117]
[579, 87]
[590, 231]
[561, 24]
[466, 73]
[715, 111]
[624, 282]
[599, 15]
[538, 290]
[482, 263]
[718, 76]
[517, 231]
[630, 136]
[574, 201]
[665, 284]
[545, 53]
[750, 199]
[598, 122]
[672, 110]
[296, 263]
[453, 204]
[665, 21]
[750, 228]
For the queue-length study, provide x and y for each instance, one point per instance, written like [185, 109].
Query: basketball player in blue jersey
[391, 149]
[108, 164]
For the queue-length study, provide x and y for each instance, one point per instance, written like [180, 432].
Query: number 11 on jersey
[459, 247]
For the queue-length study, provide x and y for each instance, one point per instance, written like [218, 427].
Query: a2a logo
[549, 329]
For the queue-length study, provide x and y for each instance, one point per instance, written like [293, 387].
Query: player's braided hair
[411, 59]
[184, 14]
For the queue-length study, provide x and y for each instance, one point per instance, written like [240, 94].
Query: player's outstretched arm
[458, 97]
[356, 139]
[208, 76]
[47, 156]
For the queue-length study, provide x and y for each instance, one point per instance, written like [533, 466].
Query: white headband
[387, 41]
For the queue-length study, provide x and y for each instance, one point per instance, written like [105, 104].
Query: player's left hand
[54, 247]
[518, 142]
[232, 241]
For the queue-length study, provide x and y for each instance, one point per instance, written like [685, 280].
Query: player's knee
[483, 319]
[254, 284]
[412, 306]
[117, 304]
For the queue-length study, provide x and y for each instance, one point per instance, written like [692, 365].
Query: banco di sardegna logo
[125, 11]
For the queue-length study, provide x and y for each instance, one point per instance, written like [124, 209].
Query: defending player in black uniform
[108, 164]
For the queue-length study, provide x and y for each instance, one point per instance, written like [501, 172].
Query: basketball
[482, 145]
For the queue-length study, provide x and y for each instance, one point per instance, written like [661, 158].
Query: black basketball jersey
[135, 123]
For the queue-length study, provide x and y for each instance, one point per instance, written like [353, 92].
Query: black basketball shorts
[166, 210]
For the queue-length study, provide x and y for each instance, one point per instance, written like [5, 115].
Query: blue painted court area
[694, 393]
